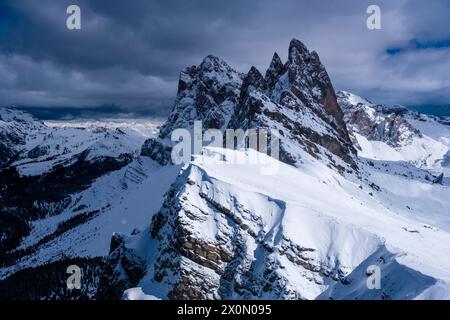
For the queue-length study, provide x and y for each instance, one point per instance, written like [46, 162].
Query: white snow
[347, 222]
[430, 150]
[354, 99]
[137, 294]
[125, 203]
[61, 141]
[345, 225]
[147, 128]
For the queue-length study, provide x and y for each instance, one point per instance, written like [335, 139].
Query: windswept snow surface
[121, 200]
[348, 224]
[126, 200]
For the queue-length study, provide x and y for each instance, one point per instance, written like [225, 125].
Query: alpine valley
[358, 184]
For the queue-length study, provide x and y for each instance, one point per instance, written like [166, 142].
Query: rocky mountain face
[14, 125]
[240, 259]
[377, 122]
[395, 133]
[208, 93]
[309, 231]
[208, 231]
[296, 100]
[223, 234]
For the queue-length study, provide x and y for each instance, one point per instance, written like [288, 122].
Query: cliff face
[296, 100]
[308, 231]
[226, 232]
[207, 93]
[377, 122]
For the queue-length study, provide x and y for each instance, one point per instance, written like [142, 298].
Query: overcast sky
[129, 53]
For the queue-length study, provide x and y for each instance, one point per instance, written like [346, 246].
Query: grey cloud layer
[130, 52]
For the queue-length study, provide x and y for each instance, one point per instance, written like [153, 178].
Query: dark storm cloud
[129, 53]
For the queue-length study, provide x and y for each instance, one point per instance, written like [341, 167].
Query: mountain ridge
[206, 242]
[344, 196]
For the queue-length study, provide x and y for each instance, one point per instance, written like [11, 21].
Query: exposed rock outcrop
[377, 122]
[296, 100]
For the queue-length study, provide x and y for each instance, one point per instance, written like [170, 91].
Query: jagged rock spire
[254, 79]
[308, 75]
[207, 92]
[301, 86]
[275, 70]
[298, 52]
[296, 97]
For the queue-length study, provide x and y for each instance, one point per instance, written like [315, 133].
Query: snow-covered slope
[66, 187]
[310, 230]
[119, 201]
[50, 144]
[396, 134]
[14, 126]
[224, 234]
[105, 196]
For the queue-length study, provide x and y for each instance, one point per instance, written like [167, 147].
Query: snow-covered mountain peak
[308, 230]
[310, 82]
[394, 133]
[222, 234]
[274, 71]
[207, 92]
[217, 67]
[252, 80]
[297, 49]
[352, 98]
[296, 99]
[377, 122]
[15, 128]
[10, 114]
[298, 52]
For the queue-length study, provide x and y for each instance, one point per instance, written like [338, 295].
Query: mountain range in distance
[359, 184]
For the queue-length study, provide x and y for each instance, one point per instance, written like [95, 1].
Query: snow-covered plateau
[358, 186]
